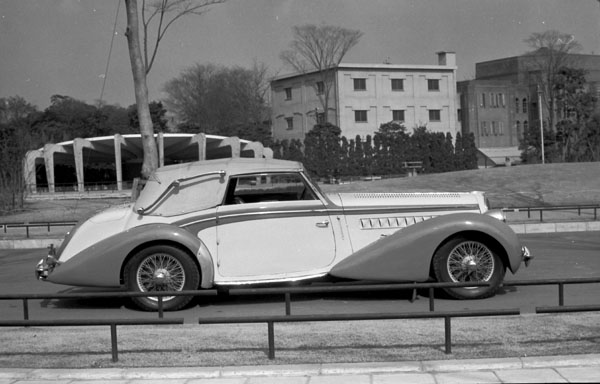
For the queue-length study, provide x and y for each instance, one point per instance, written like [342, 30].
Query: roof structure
[125, 153]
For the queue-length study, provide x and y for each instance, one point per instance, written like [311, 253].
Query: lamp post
[539, 94]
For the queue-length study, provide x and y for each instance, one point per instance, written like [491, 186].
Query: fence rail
[579, 208]
[288, 317]
[112, 323]
[271, 320]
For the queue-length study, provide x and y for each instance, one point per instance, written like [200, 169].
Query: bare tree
[320, 49]
[164, 13]
[551, 52]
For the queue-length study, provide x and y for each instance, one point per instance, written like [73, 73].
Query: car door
[272, 227]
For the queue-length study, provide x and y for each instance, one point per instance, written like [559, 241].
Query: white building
[364, 96]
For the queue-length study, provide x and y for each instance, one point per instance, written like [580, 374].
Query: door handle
[323, 224]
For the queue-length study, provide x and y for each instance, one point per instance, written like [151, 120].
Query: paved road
[557, 256]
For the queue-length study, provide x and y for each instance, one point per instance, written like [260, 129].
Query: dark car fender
[406, 255]
[101, 264]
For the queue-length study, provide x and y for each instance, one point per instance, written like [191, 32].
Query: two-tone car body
[234, 222]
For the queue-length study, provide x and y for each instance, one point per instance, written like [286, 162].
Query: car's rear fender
[102, 264]
[406, 255]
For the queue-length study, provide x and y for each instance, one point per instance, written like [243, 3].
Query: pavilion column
[200, 138]
[161, 149]
[78, 145]
[49, 150]
[29, 169]
[118, 140]
[234, 143]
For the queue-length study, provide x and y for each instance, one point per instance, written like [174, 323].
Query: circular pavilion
[122, 156]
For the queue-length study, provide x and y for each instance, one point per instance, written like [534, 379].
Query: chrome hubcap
[470, 261]
[160, 272]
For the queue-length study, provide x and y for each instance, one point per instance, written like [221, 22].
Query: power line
[112, 39]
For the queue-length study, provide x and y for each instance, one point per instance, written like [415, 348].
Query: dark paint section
[100, 265]
[406, 255]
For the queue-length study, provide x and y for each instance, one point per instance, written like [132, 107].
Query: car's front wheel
[161, 268]
[463, 260]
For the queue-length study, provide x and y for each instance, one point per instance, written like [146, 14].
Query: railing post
[431, 300]
[448, 334]
[271, 332]
[25, 309]
[160, 307]
[529, 212]
[561, 294]
[27, 230]
[541, 215]
[113, 342]
[288, 304]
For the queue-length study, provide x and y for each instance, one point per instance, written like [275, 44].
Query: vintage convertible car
[232, 222]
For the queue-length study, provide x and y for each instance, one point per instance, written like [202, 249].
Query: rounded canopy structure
[124, 154]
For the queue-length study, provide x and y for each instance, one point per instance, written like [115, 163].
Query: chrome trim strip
[263, 281]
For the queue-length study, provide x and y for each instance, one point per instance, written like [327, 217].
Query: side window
[268, 187]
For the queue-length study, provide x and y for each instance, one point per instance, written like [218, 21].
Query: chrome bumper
[46, 265]
[526, 255]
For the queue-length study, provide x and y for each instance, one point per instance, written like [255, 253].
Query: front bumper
[526, 255]
[46, 265]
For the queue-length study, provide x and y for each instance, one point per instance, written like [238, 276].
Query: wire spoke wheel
[470, 261]
[160, 272]
[161, 268]
[464, 260]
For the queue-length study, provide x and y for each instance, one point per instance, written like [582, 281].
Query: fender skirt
[406, 255]
[100, 265]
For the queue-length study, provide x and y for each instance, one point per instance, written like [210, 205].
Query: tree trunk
[141, 90]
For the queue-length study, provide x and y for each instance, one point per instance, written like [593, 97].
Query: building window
[397, 84]
[524, 105]
[360, 116]
[320, 118]
[459, 114]
[494, 131]
[320, 88]
[525, 126]
[435, 115]
[360, 84]
[433, 85]
[484, 131]
[290, 123]
[502, 103]
[501, 128]
[288, 93]
[482, 100]
[517, 105]
[398, 115]
[518, 129]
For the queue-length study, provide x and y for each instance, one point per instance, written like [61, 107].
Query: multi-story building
[501, 103]
[364, 96]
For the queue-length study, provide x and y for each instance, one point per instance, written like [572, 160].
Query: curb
[418, 367]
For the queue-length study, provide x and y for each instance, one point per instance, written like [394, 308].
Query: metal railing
[112, 323]
[579, 208]
[36, 224]
[288, 317]
[271, 320]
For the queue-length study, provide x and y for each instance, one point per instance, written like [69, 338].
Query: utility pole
[539, 94]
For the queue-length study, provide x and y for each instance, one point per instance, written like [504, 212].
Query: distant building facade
[364, 96]
[501, 103]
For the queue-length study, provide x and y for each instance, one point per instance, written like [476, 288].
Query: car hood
[472, 200]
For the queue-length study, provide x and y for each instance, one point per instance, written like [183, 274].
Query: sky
[50, 47]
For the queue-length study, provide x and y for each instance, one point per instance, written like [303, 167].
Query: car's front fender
[101, 264]
[406, 255]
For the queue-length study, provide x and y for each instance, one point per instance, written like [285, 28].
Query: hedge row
[390, 151]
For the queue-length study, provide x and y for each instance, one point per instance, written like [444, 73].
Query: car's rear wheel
[463, 260]
[161, 268]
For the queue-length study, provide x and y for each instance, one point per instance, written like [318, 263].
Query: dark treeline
[326, 153]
